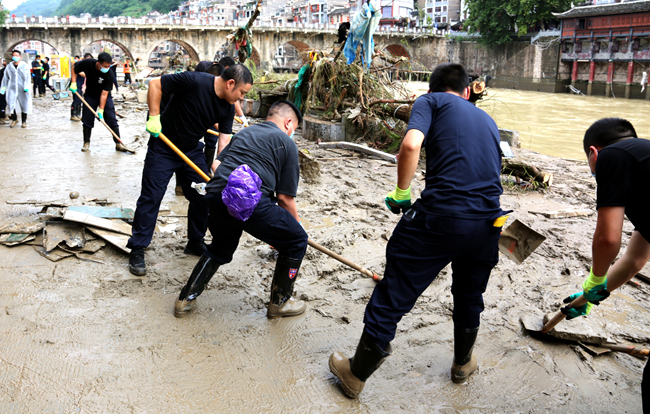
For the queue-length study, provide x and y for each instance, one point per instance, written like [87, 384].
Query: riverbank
[79, 336]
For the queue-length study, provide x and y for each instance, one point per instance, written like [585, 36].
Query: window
[437, 9]
[444, 8]
[444, 19]
[437, 19]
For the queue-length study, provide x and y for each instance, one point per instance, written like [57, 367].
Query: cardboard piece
[55, 255]
[117, 226]
[23, 228]
[56, 232]
[116, 239]
[105, 212]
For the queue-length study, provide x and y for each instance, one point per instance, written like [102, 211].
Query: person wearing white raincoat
[15, 86]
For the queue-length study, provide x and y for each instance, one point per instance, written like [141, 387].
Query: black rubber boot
[201, 275]
[464, 362]
[137, 265]
[354, 372]
[209, 156]
[195, 247]
[87, 132]
[284, 278]
[78, 111]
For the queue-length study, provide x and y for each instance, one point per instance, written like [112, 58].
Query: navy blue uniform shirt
[463, 157]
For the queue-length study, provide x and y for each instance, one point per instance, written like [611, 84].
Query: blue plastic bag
[242, 193]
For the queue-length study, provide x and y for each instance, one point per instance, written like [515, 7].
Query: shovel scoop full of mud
[518, 241]
[584, 330]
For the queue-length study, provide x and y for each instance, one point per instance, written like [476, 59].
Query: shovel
[312, 243]
[518, 241]
[102, 121]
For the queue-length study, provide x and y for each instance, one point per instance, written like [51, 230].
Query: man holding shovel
[457, 220]
[621, 164]
[199, 101]
[99, 82]
[254, 190]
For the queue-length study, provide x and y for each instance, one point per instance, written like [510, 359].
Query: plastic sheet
[242, 193]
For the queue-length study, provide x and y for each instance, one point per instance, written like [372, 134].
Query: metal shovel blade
[518, 241]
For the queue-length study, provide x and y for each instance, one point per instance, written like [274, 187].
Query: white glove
[244, 120]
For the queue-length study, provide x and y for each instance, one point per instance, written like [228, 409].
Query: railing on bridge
[203, 21]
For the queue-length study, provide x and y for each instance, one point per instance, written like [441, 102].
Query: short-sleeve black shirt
[463, 157]
[622, 172]
[268, 151]
[36, 68]
[193, 108]
[96, 80]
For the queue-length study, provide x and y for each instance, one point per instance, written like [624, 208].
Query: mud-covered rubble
[111, 341]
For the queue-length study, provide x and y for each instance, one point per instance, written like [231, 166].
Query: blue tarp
[362, 28]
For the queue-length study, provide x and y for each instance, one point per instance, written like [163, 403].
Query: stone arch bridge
[203, 42]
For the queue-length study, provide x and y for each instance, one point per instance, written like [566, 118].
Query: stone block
[142, 95]
[314, 129]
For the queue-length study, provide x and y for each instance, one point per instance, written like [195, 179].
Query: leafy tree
[45, 8]
[3, 15]
[165, 6]
[498, 21]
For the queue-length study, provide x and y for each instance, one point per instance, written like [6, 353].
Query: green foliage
[45, 8]
[112, 8]
[3, 15]
[498, 21]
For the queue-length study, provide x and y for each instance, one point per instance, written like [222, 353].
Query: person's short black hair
[45, 57]
[202, 66]
[16, 51]
[88, 56]
[227, 61]
[38, 56]
[449, 77]
[215, 69]
[607, 131]
[104, 58]
[76, 56]
[239, 73]
[284, 109]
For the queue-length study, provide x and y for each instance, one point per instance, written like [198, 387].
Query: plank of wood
[116, 239]
[105, 212]
[112, 225]
[359, 148]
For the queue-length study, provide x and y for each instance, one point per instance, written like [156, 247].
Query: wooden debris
[116, 239]
[361, 148]
[105, 212]
[14, 239]
[112, 225]
[526, 171]
[55, 255]
[59, 231]
[22, 228]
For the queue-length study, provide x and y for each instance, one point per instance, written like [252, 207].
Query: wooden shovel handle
[100, 120]
[626, 349]
[559, 317]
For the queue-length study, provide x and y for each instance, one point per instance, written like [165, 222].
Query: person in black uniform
[621, 164]
[271, 154]
[75, 108]
[457, 219]
[37, 76]
[199, 100]
[99, 82]
[47, 74]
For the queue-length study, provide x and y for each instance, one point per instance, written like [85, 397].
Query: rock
[74, 195]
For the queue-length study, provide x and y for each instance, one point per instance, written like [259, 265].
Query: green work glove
[26, 89]
[570, 312]
[3, 90]
[595, 288]
[100, 114]
[153, 125]
[44, 77]
[398, 200]
[73, 87]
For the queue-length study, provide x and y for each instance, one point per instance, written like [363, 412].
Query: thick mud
[79, 336]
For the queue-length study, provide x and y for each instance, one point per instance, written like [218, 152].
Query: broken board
[361, 148]
[105, 212]
[56, 232]
[55, 255]
[554, 210]
[116, 239]
[117, 226]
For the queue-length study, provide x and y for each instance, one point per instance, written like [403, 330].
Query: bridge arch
[125, 49]
[57, 48]
[189, 48]
[291, 56]
[397, 50]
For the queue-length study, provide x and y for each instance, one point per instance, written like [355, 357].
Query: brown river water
[554, 124]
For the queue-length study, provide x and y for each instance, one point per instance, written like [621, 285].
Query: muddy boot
[281, 303]
[87, 132]
[464, 362]
[77, 112]
[137, 266]
[201, 275]
[354, 372]
[195, 247]
[13, 123]
[178, 190]
[3, 121]
[72, 114]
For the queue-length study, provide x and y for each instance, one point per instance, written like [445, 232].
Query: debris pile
[64, 231]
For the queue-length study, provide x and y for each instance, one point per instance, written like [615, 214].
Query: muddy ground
[85, 337]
